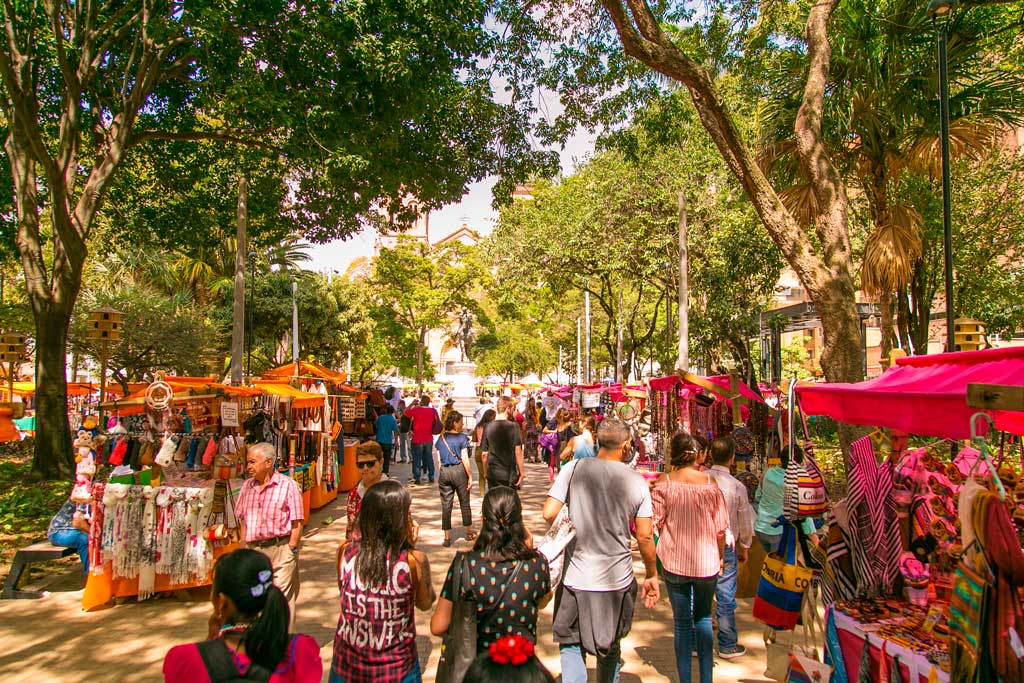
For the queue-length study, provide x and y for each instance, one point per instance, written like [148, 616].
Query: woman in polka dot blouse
[507, 579]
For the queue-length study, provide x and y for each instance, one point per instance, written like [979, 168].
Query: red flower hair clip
[514, 650]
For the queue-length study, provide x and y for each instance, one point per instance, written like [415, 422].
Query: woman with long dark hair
[382, 577]
[248, 633]
[503, 575]
[531, 430]
[478, 452]
[455, 475]
[692, 518]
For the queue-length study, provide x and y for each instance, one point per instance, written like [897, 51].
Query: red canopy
[924, 395]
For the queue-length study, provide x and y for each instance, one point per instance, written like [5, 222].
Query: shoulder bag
[459, 645]
[438, 427]
[556, 543]
[220, 667]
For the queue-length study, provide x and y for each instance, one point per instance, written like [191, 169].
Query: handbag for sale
[806, 670]
[458, 647]
[556, 543]
[780, 592]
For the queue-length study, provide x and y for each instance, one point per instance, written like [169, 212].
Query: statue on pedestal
[465, 333]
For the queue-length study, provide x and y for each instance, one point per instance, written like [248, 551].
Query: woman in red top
[381, 578]
[248, 631]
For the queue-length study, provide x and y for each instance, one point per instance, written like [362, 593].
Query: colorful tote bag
[804, 488]
[780, 592]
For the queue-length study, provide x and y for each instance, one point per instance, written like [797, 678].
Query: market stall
[925, 536]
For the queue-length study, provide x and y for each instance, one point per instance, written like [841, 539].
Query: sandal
[447, 543]
[471, 536]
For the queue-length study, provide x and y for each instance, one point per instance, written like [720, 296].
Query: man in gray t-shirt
[595, 609]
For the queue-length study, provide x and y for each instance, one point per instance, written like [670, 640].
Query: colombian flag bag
[780, 592]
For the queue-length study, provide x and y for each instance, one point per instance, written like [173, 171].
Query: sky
[474, 210]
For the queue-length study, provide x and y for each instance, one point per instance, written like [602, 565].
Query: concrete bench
[43, 551]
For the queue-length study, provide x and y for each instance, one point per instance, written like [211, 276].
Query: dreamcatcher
[160, 404]
[628, 411]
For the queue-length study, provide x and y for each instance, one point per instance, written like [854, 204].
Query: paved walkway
[53, 640]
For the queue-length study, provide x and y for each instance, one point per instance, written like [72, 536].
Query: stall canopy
[299, 398]
[925, 395]
[306, 369]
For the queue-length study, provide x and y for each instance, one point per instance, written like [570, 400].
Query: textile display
[861, 646]
[146, 530]
[875, 542]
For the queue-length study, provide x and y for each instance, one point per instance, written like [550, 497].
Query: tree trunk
[53, 457]
[887, 324]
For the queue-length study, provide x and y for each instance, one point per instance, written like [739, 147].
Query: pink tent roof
[924, 395]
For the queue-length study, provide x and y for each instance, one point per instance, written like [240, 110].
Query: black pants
[387, 448]
[453, 481]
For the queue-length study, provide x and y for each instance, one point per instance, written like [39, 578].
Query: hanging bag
[780, 592]
[438, 427]
[804, 493]
[556, 543]
[458, 647]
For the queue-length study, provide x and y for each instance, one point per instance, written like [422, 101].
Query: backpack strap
[220, 666]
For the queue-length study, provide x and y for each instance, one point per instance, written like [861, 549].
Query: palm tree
[289, 254]
[883, 118]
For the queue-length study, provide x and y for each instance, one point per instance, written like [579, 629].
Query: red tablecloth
[913, 666]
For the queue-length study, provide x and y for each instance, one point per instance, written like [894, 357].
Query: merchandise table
[914, 666]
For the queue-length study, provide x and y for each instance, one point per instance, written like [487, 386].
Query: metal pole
[558, 368]
[947, 227]
[252, 299]
[295, 325]
[618, 340]
[579, 355]
[586, 312]
[683, 362]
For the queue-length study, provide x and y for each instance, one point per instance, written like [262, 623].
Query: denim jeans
[691, 611]
[725, 596]
[414, 675]
[769, 542]
[73, 538]
[574, 664]
[423, 460]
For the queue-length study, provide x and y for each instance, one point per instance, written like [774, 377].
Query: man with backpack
[404, 425]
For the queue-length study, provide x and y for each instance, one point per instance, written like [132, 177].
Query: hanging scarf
[96, 529]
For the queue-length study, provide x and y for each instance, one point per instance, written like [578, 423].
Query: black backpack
[221, 667]
[405, 425]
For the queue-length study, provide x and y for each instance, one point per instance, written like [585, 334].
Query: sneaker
[733, 654]
[414, 482]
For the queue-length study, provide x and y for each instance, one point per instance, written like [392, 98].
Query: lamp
[944, 9]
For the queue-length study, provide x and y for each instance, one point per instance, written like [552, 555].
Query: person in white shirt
[737, 544]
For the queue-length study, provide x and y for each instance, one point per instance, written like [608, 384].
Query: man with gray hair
[594, 608]
[271, 515]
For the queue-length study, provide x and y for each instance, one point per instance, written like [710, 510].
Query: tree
[881, 119]
[513, 351]
[419, 288]
[590, 74]
[367, 102]
[631, 202]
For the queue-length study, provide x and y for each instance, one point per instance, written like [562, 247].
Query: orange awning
[306, 369]
[300, 399]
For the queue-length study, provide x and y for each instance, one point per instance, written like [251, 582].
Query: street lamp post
[940, 12]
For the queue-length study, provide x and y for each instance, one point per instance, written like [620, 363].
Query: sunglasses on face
[361, 464]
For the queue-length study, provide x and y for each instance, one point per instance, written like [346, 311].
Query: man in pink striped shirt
[271, 515]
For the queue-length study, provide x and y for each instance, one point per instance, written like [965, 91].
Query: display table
[348, 472]
[100, 589]
[914, 667]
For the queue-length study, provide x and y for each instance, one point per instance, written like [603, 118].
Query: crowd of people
[699, 514]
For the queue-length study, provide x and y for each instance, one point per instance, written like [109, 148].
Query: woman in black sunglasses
[370, 461]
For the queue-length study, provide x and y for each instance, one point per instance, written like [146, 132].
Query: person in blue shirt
[386, 427]
[456, 473]
[69, 528]
[769, 499]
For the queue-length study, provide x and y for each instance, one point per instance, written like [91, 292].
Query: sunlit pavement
[52, 639]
